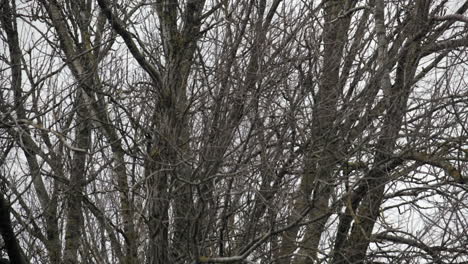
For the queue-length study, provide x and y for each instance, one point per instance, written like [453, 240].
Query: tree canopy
[233, 131]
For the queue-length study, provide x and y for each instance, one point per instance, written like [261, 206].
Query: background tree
[246, 131]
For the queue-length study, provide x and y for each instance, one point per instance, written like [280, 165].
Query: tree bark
[15, 253]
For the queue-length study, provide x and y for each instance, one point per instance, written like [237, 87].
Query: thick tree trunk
[12, 246]
[74, 224]
[355, 248]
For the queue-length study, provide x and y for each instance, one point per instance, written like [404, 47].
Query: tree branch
[119, 27]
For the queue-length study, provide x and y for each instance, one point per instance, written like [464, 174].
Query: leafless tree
[243, 131]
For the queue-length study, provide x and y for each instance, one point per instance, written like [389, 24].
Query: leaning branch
[119, 27]
[453, 17]
[15, 253]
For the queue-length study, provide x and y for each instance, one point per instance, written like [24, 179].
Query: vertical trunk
[321, 158]
[80, 59]
[163, 173]
[166, 167]
[167, 171]
[74, 222]
[158, 207]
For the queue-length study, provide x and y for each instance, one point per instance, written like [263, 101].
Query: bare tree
[245, 131]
